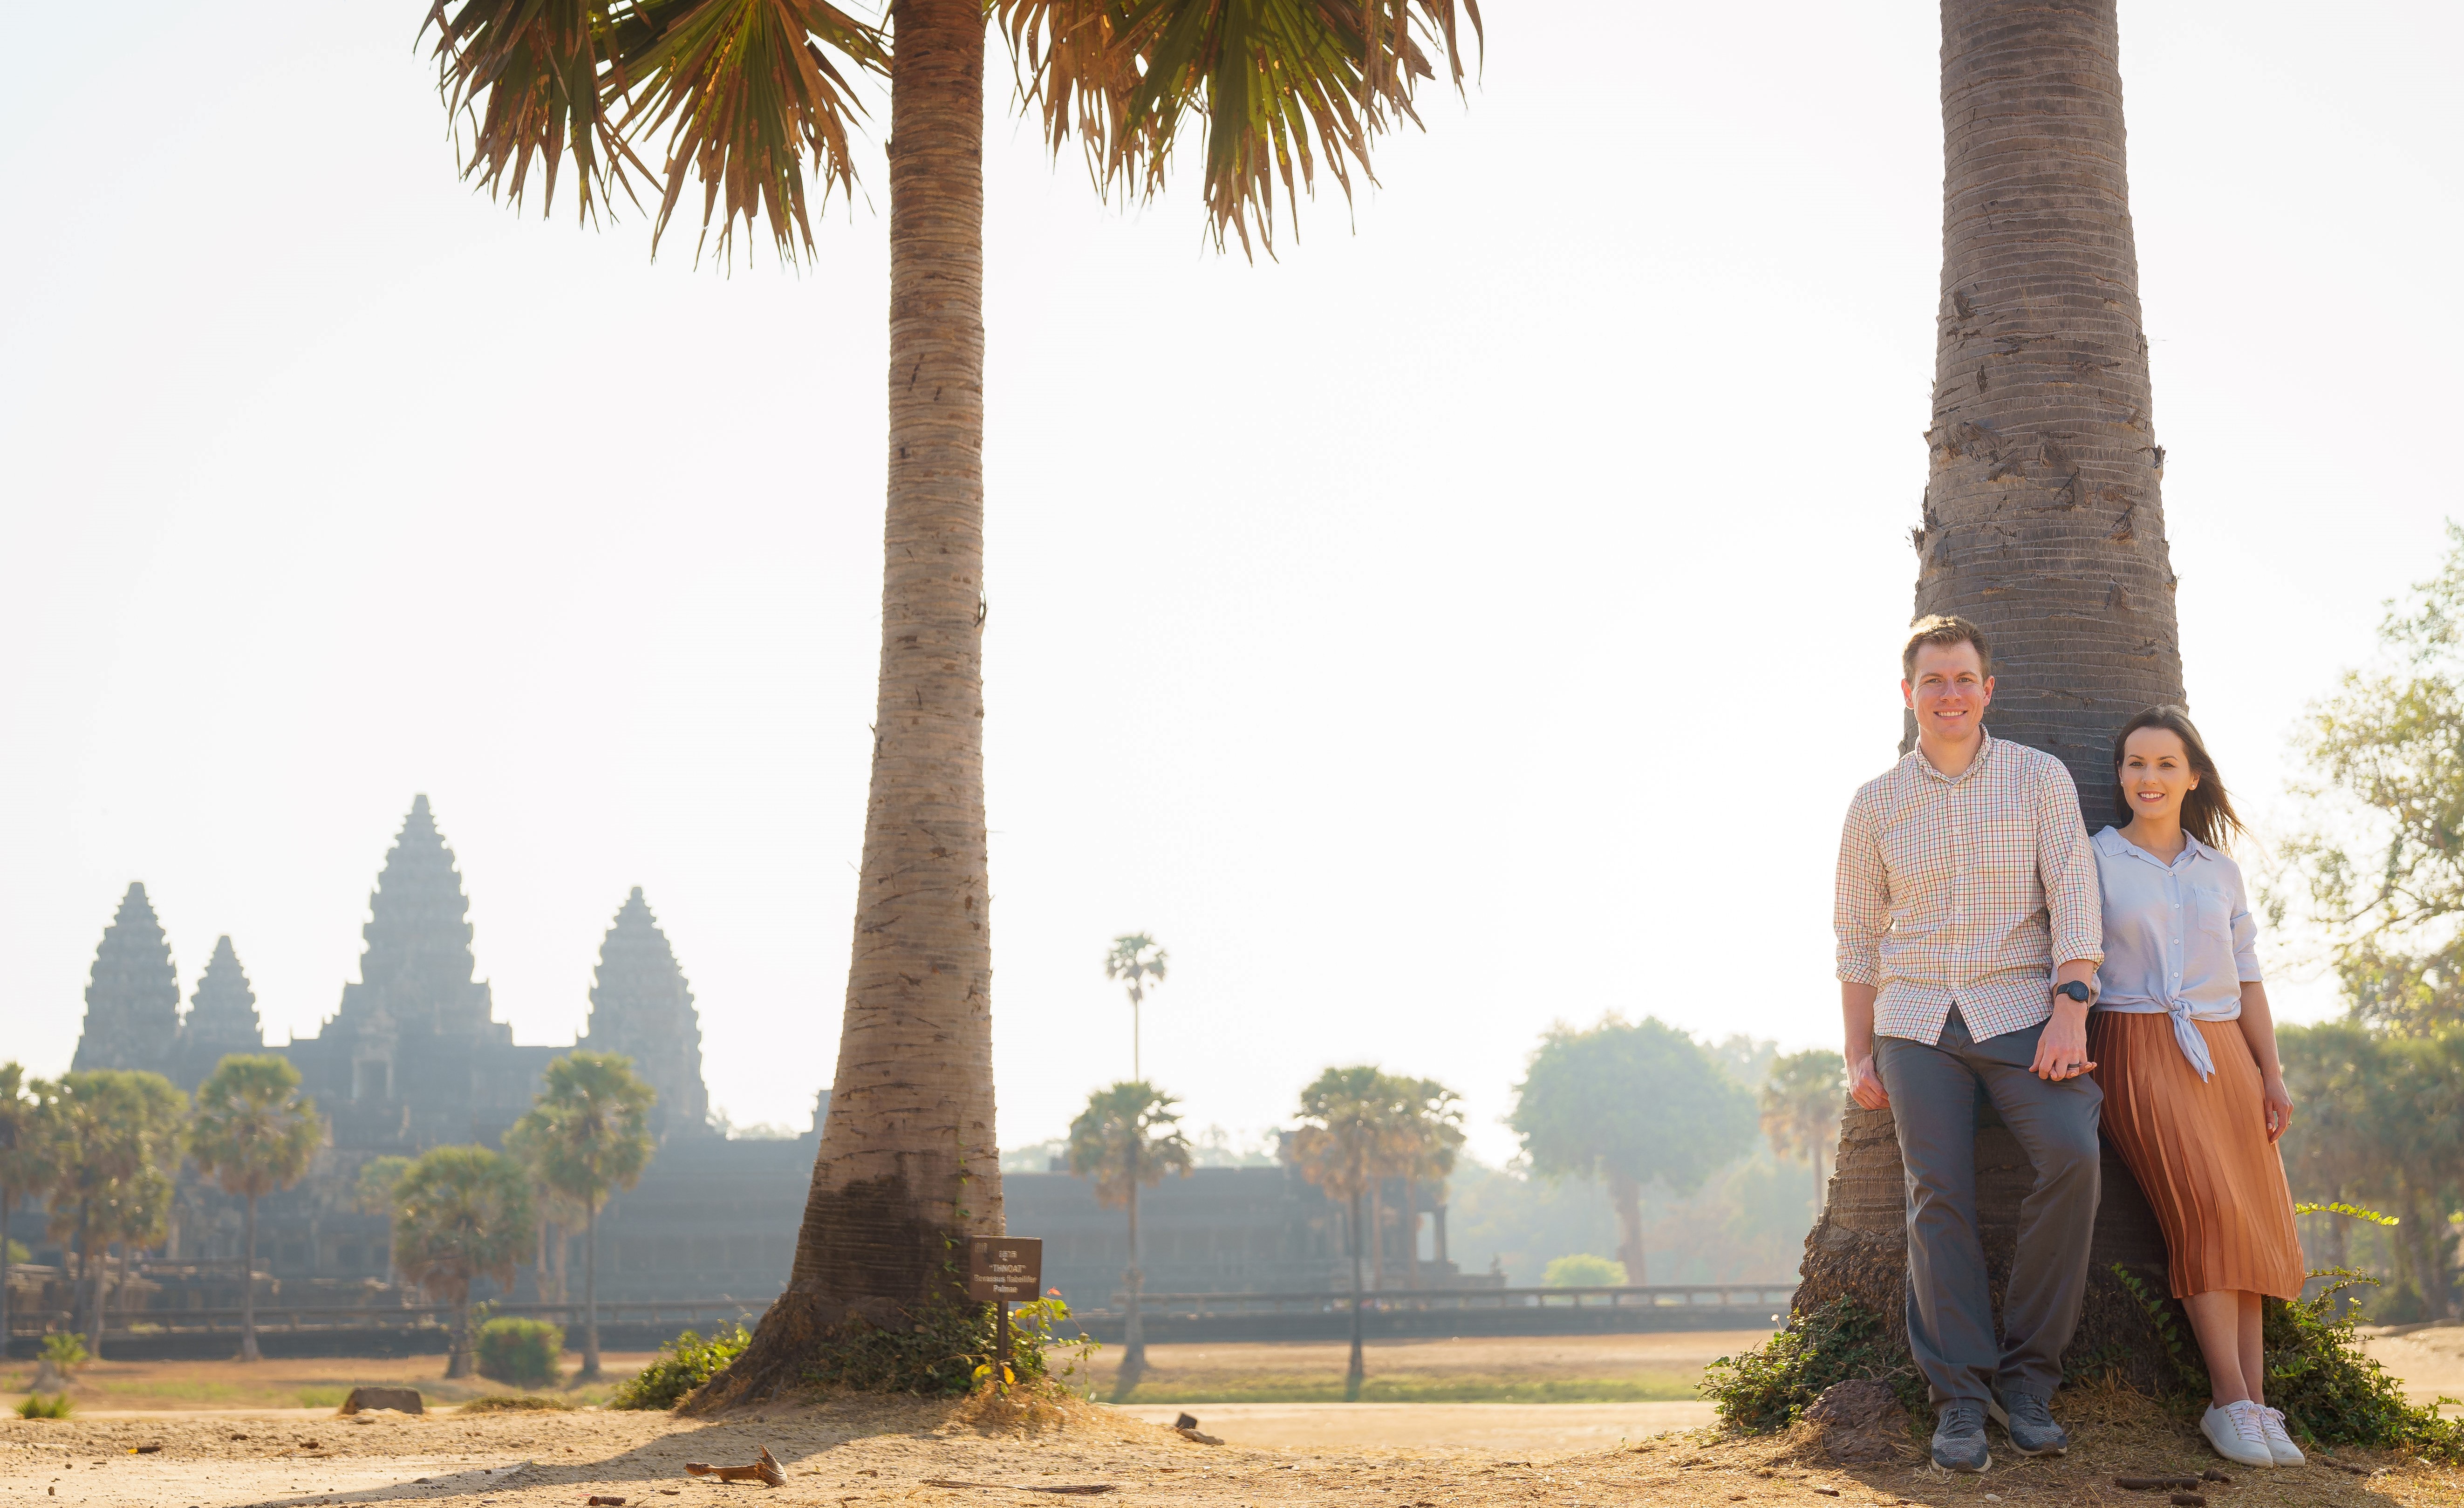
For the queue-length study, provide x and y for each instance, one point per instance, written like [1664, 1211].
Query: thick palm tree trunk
[248, 1283]
[1355, 1372]
[908, 1158]
[590, 1294]
[457, 1361]
[1134, 1285]
[2043, 525]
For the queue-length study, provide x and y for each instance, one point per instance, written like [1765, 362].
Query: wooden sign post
[1004, 1270]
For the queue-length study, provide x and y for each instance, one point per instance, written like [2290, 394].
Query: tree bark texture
[458, 1361]
[1355, 1372]
[2042, 521]
[248, 1351]
[2042, 524]
[908, 1164]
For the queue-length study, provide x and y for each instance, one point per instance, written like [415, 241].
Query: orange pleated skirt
[2201, 1153]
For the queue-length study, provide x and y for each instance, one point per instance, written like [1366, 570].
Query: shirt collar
[2111, 841]
[1984, 752]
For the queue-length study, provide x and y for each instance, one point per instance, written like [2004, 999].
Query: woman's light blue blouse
[2178, 938]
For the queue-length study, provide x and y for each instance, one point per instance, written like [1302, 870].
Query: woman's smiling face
[2156, 772]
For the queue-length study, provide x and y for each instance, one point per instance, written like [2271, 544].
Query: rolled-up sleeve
[2245, 935]
[2066, 862]
[1861, 907]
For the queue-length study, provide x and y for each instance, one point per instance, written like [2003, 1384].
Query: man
[1963, 874]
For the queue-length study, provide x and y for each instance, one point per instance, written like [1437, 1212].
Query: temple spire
[132, 1000]
[418, 968]
[222, 1018]
[640, 1006]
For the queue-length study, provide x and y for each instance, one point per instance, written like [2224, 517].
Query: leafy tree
[460, 1213]
[737, 92]
[1628, 1103]
[253, 1134]
[115, 1133]
[2377, 868]
[372, 1193]
[2380, 1124]
[29, 1165]
[1349, 1139]
[1129, 1137]
[1802, 1100]
[589, 1135]
[1583, 1270]
[1134, 960]
[561, 1218]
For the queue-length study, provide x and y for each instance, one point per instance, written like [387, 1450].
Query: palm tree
[29, 1165]
[1629, 1103]
[1801, 1105]
[113, 1134]
[1135, 959]
[1345, 1143]
[1430, 1127]
[253, 1134]
[589, 1131]
[742, 89]
[1129, 1137]
[2042, 520]
[460, 1213]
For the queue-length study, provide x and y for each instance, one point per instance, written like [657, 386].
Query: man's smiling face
[1950, 691]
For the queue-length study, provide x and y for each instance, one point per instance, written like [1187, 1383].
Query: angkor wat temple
[414, 1057]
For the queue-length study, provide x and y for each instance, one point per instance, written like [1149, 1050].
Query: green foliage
[2338, 1207]
[514, 1402]
[2181, 1355]
[18, 1255]
[373, 1191]
[588, 1134]
[944, 1350]
[29, 1154]
[115, 1135]
[2331, 1393]
[1583, 1270]
[1128, 1136]
[253, 1131]
[65, 1351]
[683, 1365]
[1640, 1101]
[1771, 1387]
[461, 1213]
[522, 1352]
[1802, 1101]
[34, 1406]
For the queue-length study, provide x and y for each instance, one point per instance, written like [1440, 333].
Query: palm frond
[1281, 85]
[528, 74]
[743, 89]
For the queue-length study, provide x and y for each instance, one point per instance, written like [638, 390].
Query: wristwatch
[2077, 991]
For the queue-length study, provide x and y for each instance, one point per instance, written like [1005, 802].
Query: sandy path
[1549, 1428]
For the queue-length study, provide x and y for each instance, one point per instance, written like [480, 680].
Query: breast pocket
[2206, 935]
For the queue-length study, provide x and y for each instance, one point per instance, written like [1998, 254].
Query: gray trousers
[1934, 1096]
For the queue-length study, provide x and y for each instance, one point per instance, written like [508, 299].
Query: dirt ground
[1553, 1370]
[279, 1381]
[880, 1451]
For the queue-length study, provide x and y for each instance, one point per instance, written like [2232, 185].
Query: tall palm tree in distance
[1801, 1101]
[115, 1134]
[1345, 1143]
[2042, 522]
[588, 1135]
[253, 1134]
[1128, 1138]
[1135, 961]
[29, 1164]
[461, 1213]
[740, 91]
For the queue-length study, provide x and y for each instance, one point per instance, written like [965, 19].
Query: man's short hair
[1943, 630]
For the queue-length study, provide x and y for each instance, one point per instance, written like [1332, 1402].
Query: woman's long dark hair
[2207, 811]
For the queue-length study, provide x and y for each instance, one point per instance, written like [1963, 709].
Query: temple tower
[416, 974]
[640, 1006]
[221, 1020]
[132, 1001]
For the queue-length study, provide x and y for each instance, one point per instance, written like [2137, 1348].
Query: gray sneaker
[1959, 1438]
[2029, 1423]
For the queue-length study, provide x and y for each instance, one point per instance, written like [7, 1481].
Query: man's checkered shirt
[1943, 891]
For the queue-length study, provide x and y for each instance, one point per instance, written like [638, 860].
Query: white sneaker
[2279, 1444]
[2233, 1430]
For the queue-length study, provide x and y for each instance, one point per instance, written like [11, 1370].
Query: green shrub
[1769, 1386]
[522, 1352]
[17, 1253]
[65, 1351]
[683, 1365]
[1583, 1270]
[946, 1350]
[2334, 1394]
[34, 1406]
[515, 1403]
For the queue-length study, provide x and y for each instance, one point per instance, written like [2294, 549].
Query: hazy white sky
[1476, 618]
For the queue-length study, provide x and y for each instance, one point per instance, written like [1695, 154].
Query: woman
[2193, 1092]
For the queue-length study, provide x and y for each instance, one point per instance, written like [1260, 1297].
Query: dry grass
[287, 1382]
